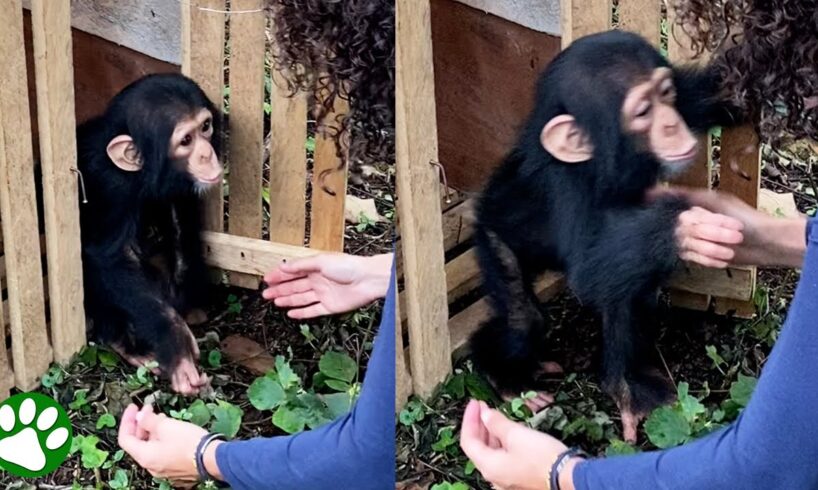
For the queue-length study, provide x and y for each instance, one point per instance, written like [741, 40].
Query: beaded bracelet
[199, 457]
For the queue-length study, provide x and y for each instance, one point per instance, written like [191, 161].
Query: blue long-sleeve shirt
[356, 451]
[772, 445]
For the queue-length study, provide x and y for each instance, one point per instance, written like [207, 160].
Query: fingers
[496, 423]
[312, 311]
[185, 379]
[296, 300]
[295, 268]
[474, 438]
[300, 285]
[703, 260]
[128, 437]
[716, 221]
[146, 422]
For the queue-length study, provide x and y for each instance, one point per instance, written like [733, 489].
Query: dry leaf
[355, 207]
[247, 353]
[778, 205]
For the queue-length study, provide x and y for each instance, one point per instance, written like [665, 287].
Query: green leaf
[310, 144]
[92, 457]
[666, 427]
[226, 419]
[741, 390]
[469, 469]
[214, 358]
[338, 365]
[89, 356]
[691, 406]
[289, 419]
[456, 387]
[620, 448]
[53, 377]
[108, 359]
[478, 388]
[337, 385]
[412, 412]
[265, 393]
[120, 480]
[200, 413]
[315, 410]
[449, 486]
[713, 354]
[286, 375]
[106, 420]
[445, 439]
[338, 403]
[79, 399]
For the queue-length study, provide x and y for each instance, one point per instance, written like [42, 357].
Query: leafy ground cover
[714, 361]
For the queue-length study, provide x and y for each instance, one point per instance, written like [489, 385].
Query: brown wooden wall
[485, 71]
[101, 69]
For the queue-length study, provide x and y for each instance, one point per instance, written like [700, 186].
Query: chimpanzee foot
[551, 367]
[186, 379]
[630, 424]
[196, 316]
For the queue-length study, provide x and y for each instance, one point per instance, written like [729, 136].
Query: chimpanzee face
[649, 114]
[192, 151]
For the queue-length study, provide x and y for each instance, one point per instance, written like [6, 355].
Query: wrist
[378, 270]
[209, 460]
[785, 241]
[566, 476]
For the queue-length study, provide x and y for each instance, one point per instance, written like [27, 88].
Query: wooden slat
[327, 210]
[403, 379]
[203, 61]
[419, 199]
[51, 26]
[30, 348]
[699, 174]
[740, 175]
[583, 17]
[288, 164]
[247, 45]
[252, 256]
[464, 324]
[735, 282]
[643, 17]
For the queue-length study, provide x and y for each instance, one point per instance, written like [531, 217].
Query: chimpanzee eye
[645, 110]
[186, 141]
[206, 126]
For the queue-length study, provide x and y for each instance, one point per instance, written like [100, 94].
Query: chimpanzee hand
[508, 454]
[721, 229]
[328, 283]
[164, 446]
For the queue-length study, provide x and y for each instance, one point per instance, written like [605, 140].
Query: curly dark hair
[342, 49]
[767, 51]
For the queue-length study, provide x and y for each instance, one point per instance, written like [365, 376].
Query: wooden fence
[433, 230]
[44, 316]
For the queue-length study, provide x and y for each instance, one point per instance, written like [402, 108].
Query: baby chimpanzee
[611, 119]
[144, 162]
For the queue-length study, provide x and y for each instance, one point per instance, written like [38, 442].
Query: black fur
[130, 303]
[589, 220]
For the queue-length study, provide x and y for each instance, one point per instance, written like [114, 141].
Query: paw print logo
[35, 435]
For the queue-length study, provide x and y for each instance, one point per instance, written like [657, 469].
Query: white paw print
[24, 448]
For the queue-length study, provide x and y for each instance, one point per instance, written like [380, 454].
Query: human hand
[327, 284]
[164, 446]
[721, 230]
[508, 454]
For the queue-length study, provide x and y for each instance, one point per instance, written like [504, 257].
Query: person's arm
[770, 445]
[356, 451]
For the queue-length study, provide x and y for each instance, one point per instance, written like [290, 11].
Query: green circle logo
[35, 435]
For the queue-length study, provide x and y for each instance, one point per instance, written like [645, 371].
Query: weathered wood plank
[419, 201]
[203, 61]
[288, 164]
[30, 346]
[583, 17]
[247, 46]
[252, 256]
[327, 210]
[735, 282]
[643, 17]
[51, 26]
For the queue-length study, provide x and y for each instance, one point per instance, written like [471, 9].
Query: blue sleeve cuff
[812, 231]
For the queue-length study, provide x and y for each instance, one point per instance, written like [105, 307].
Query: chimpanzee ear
[563, 138]
[122, 151]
